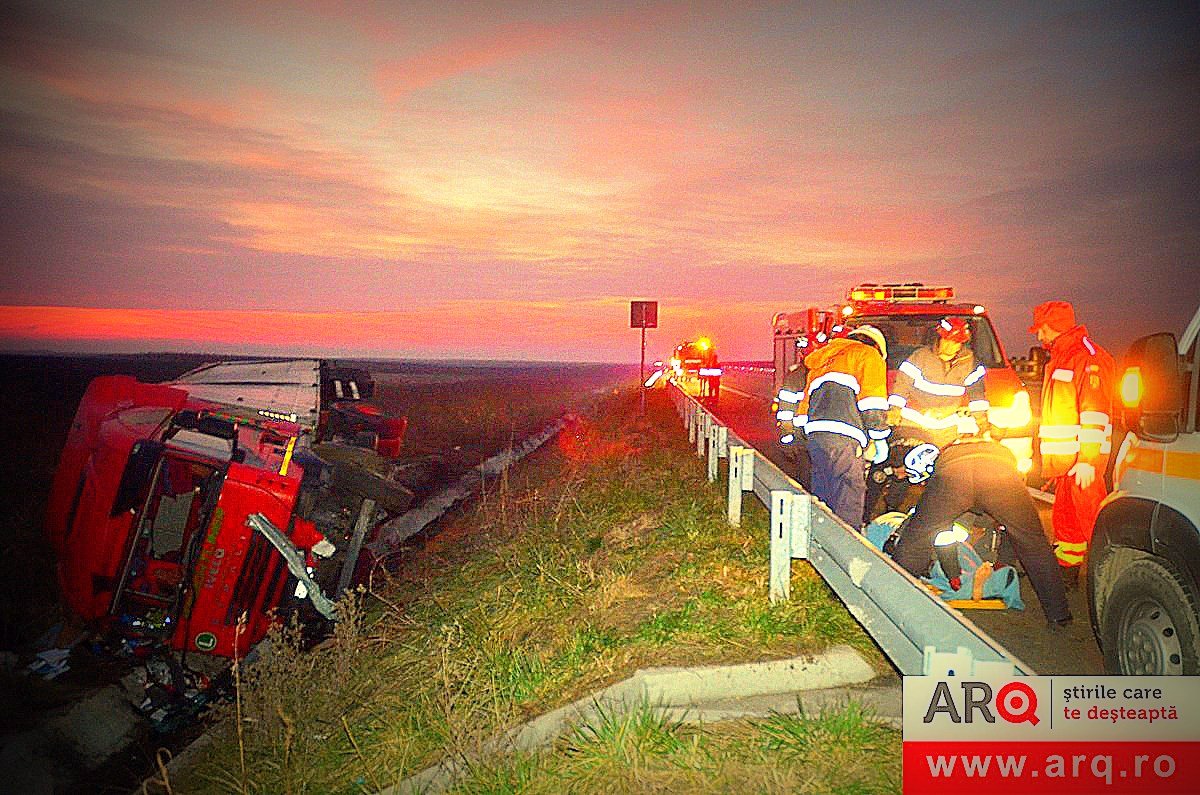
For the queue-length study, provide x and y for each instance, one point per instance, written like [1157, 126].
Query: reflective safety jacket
[1076, 404]
[930, 392]
[788, 400]
[845, 393]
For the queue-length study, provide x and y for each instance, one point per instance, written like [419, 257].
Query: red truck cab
[174, 508]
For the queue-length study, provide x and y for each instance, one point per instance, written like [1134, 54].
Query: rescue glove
[877, 451]
[1084, 474]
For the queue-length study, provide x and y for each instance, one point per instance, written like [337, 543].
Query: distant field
[443, 402]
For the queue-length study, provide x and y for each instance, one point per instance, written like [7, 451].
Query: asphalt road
[745, 406]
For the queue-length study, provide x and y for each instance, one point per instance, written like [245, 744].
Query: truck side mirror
[1151, 387]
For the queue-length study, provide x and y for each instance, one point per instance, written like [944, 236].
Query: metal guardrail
[917, 630]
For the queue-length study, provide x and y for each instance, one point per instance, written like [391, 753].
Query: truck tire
[349, 478]
[1150, 625]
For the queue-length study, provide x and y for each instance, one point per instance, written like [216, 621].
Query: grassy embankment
[605, 553]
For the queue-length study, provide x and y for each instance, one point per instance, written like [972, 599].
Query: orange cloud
[395, 79]
[592, 330]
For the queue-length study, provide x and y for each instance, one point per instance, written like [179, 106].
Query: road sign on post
[643, 315]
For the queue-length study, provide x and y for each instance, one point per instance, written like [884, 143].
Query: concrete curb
[712, 691]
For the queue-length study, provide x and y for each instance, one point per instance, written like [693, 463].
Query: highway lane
[745, 406]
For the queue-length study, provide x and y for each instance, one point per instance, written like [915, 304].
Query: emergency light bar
[912, 292]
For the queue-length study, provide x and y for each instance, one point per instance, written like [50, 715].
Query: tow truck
[1143, 562]
[695, 362]
[185, 515]
[907, 314]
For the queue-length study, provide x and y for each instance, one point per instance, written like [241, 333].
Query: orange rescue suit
[1076, 427]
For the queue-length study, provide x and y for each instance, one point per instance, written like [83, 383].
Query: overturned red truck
[181, 509]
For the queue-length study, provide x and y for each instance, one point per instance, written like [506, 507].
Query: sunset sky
[499, 180]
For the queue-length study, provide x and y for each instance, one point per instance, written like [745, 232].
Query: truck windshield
[906, 333]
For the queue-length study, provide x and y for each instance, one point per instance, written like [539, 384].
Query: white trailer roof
[286, 386]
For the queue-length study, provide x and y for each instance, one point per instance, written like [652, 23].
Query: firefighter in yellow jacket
[843, 411]
[1075, 436]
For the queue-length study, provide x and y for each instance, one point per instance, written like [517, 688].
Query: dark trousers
[838, 477]
[982, 477]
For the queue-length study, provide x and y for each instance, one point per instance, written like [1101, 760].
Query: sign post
[643, 315]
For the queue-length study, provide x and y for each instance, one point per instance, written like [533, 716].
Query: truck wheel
[349, 478]
[1150, 625]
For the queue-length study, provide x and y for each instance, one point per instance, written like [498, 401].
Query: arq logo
[1015, 702]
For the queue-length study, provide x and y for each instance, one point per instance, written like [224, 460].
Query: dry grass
[604, 553]
[839, 751]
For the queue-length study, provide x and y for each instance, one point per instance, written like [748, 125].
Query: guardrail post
[790, 515]
[741, 478]
[718, 438]
[702, 424]
[691, 421]
[963, 663]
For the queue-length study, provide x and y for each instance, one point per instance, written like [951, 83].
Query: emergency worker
[1075, 436]
[979, 475]
[843, 411]
[937, 383]
[938, 392]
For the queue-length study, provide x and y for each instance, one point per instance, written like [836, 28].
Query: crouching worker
[980, 475]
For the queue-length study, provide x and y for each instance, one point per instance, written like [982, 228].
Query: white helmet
[919, 462]
[872, 335]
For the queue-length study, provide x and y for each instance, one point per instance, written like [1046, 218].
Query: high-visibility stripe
[785, 415]
[926, 421]
[1092, 436]
[1106, 447]
[1175, 464]
[800, 420]
[710, 372]
[1064, 375]
[1070, 553]
[880, 433]
[931, 387]
[870, 403]
[978, 405]
[1088, 344]
[834, 377]
[788, 439]
[838, 427]
[897, 400]
[1059, 431]
[1094, 418]
[976, 374]
[788, 396]
[1060, 448]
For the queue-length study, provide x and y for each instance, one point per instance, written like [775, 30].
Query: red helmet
[954, 329]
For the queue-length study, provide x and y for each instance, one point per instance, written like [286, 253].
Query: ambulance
[1143, 563]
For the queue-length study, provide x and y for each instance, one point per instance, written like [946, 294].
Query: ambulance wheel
[1150, 625]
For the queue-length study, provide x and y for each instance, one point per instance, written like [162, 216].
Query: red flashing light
[913, 292]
